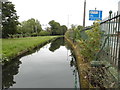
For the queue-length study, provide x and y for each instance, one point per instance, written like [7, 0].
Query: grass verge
[14, 47]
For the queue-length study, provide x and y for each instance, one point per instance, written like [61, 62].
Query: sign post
[95, 15]
[119, 7]
[84, 14]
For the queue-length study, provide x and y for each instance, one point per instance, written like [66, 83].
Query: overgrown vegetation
[88, 41]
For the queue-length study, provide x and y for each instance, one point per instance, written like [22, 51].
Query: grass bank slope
[16, 46]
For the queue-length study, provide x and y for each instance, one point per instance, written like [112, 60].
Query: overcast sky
[60, 10]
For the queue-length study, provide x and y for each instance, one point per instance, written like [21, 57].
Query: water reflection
[11, 69]
[73, 64]
[56, 44]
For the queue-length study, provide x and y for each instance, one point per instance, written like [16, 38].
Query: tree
[9, 19]
[57, 29]
[73, 26]
[29, 26]
[79, 27]
[63, 29]
[48, 29]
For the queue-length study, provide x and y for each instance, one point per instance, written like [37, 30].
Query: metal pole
[84, 14]
[68, 22]
[119, 53]
[1, 45]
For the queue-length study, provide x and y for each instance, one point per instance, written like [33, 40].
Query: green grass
[12, 47]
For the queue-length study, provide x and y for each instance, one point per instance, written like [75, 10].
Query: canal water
[52, 66]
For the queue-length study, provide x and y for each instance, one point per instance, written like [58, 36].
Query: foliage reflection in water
[55, 72]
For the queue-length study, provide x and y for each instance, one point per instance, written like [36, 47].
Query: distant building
[119, 7]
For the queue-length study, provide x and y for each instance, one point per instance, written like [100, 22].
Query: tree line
[11, 27]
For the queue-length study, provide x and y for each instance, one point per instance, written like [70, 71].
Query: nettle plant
[90, 45]
[88, 41]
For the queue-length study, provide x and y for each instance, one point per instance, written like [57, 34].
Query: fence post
[0, 44]
[119, 68]
[119, 52]
[110, 14]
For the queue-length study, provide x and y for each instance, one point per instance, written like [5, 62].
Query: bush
[45, 33]
[34, 34]
[91, 46]
[88, 41]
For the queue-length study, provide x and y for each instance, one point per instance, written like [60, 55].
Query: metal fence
[107, 60]
[109, 54]
[110, 49]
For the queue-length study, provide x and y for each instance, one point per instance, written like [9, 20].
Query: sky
[66, 12]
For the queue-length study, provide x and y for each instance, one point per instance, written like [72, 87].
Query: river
[52, 66]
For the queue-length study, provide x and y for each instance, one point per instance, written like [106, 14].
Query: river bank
[12, 48]
[93, 76]
[83, 66]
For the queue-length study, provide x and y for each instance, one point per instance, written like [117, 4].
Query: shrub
[45, 33]
[88, 41]
[91, 45]
[34, 34]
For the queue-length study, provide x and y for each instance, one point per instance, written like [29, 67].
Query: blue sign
[95, 15]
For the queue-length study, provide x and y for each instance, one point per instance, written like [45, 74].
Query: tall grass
[12, 47]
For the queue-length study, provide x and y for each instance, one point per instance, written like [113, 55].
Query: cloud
[59, 10]
[4, 0]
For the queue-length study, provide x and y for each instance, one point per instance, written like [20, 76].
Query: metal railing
[110, 50]
[107, 59]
